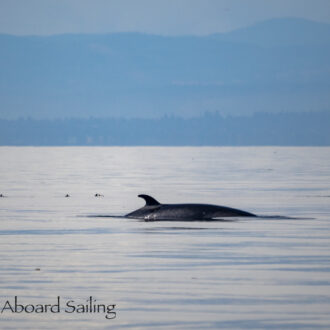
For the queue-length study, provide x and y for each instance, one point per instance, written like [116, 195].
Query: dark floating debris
[98, 195]
[38, 269]
[67, 195]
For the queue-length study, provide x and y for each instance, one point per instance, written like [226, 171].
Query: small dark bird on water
[98, 195]
[67, 195]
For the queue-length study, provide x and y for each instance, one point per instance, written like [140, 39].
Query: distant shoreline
[211, 129]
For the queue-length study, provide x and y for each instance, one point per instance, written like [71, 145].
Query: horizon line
[170, 35]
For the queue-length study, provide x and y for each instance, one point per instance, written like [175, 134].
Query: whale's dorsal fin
[149, 200]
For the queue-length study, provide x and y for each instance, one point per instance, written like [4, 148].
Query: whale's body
[153, 210]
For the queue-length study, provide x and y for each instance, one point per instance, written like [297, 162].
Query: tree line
[210, 129]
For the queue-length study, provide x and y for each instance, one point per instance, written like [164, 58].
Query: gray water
[257, 273]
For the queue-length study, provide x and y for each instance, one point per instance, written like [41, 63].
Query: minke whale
[153, 210]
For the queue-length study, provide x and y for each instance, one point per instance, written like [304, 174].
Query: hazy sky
[167, 17]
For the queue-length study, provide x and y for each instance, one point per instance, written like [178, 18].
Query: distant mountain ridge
[277, 65]
[283, 32]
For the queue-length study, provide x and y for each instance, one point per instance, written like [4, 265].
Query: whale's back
[186, 212]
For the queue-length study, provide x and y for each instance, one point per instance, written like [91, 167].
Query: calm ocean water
[257, 273]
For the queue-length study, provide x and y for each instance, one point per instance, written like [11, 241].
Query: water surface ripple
[257, 273]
